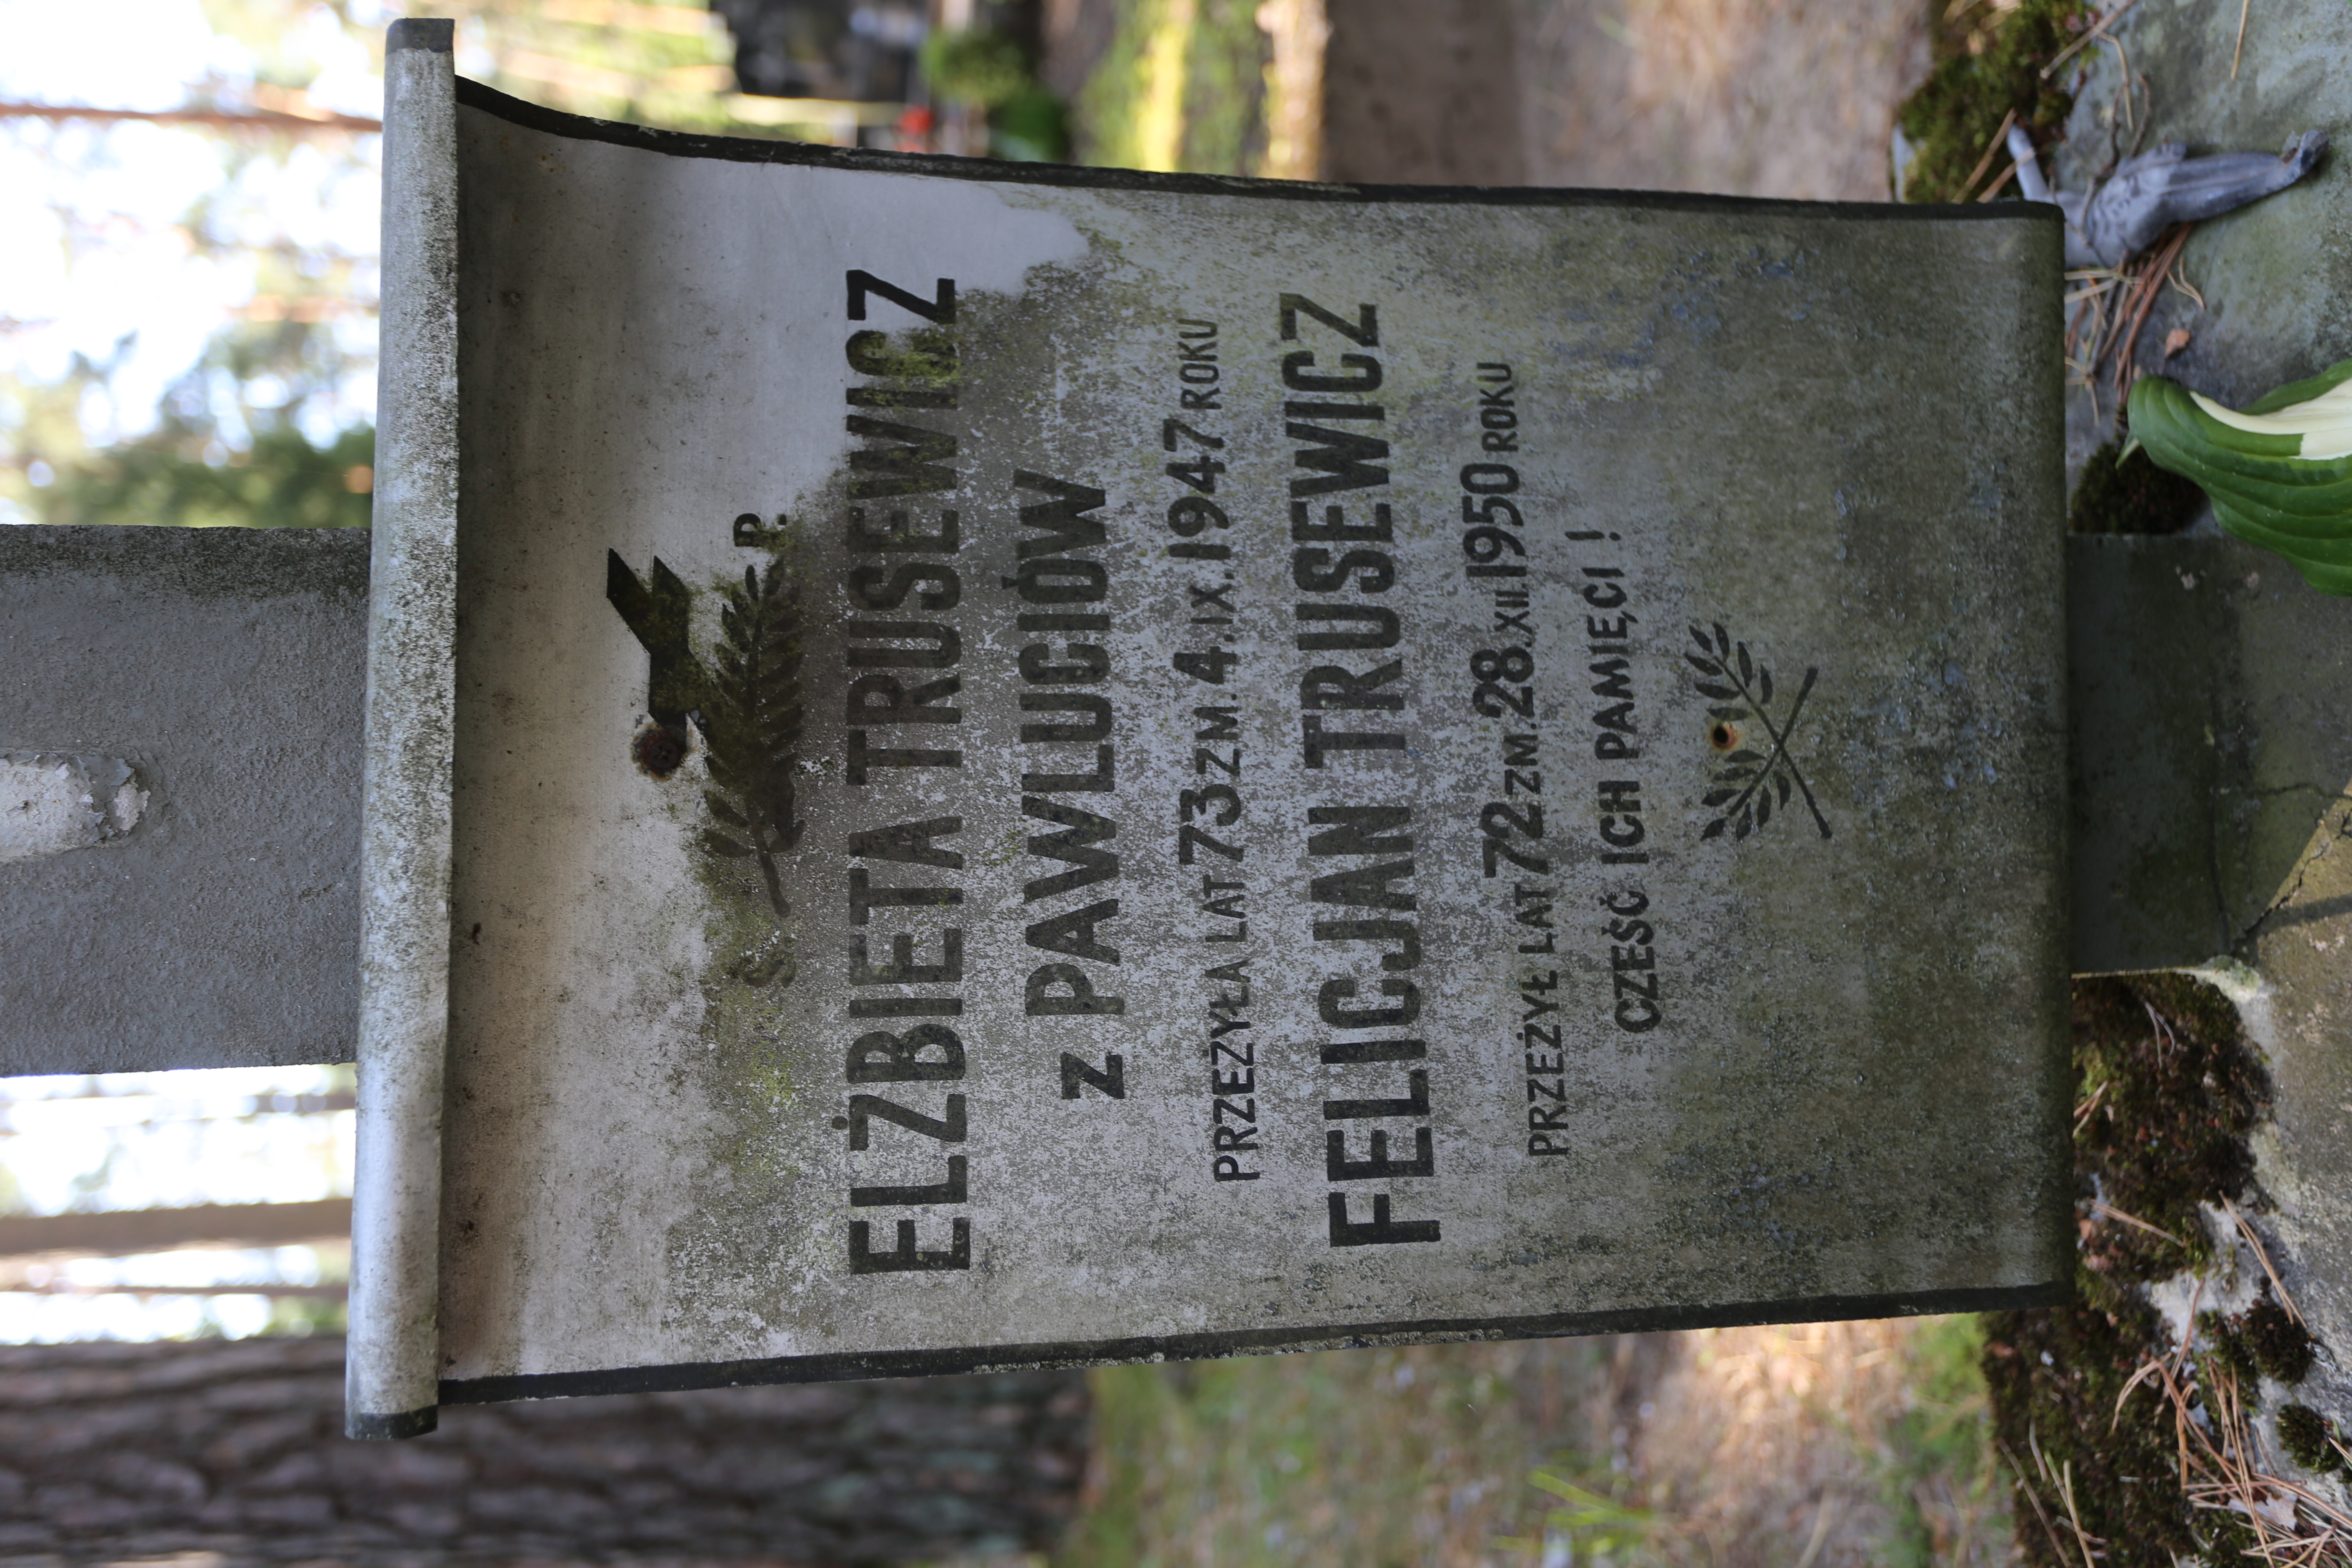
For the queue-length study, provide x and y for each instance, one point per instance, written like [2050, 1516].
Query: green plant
[1940, 1445]
[281, 480]
[1026, 122]
[975, 65]
[2279, 471]
[1376, 1456]
[1033, 126]
[1596, 1528]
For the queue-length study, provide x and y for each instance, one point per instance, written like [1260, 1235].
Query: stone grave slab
[1054, 765]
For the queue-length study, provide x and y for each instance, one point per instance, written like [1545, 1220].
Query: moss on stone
[1987, 73]
[2227, 1347]
[2171, 1090]
[2279, 1344]
[2055, 1377]
[2309, 1438]
[2131, 496]
[2178, 1090]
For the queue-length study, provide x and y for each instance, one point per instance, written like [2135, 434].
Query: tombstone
[981, 766]
[1038, 767]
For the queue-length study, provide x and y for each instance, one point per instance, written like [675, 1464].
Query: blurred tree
[979, 64]
[280, 480]
[1184, 85]
[239, 442]
[269, 427]
[992, 71]
[231, 1453]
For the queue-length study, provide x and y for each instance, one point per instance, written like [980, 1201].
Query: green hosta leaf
[2279, 473]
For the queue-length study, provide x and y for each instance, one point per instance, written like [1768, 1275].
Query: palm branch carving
[752, 726]
[1748, 784]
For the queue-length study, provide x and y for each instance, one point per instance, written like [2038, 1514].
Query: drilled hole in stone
[657, 752]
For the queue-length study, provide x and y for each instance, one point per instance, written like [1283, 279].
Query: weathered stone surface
[211, 919]
[1180, 756]
[405, 828]
[2205, 680]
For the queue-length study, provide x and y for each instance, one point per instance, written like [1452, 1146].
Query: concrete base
[210, 916]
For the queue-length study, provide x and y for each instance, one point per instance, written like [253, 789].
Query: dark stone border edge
[750, 149]
[391, 1428]
[434, 34]
[1059, 1353]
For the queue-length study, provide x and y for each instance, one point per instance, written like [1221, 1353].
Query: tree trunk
[112, 1451]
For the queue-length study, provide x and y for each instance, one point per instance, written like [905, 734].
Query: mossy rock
[2055, 1377]
[1957, 114]
[2280, 1345]
[2311, 1440]
[2176, 1089]
[2227, 1347]
[2169, 1088]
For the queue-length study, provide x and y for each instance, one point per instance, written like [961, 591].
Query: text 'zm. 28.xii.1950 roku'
[1047, 765]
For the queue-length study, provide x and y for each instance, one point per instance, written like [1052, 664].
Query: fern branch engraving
[1748, 784]
[752, 722]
